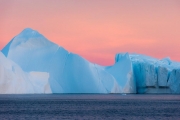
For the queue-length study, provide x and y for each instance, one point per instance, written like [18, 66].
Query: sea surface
[90, 106]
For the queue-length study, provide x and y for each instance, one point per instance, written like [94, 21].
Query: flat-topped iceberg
[153, 75]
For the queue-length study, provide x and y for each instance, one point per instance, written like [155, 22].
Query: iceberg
[68, 72]
[155, 76]
[31, 63]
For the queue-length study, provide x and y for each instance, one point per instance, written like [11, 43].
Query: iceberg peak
[27, 39]
[119, 56]
[28, 32]
[28, 29]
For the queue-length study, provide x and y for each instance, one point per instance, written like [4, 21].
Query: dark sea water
[90, 106]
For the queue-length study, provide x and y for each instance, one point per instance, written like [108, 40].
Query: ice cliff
[33, 64]
[153, 75]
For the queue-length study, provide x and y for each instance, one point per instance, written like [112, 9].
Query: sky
[98, 29]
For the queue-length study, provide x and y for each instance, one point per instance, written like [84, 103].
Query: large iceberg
[33, 64]
[68, 72]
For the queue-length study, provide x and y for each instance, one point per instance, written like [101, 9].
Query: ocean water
[90, 106]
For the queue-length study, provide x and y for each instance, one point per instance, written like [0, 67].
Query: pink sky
[98, 29]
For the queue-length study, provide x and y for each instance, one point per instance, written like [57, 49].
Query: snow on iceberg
[13, 80]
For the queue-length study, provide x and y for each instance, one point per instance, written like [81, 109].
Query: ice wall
[155, 76]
